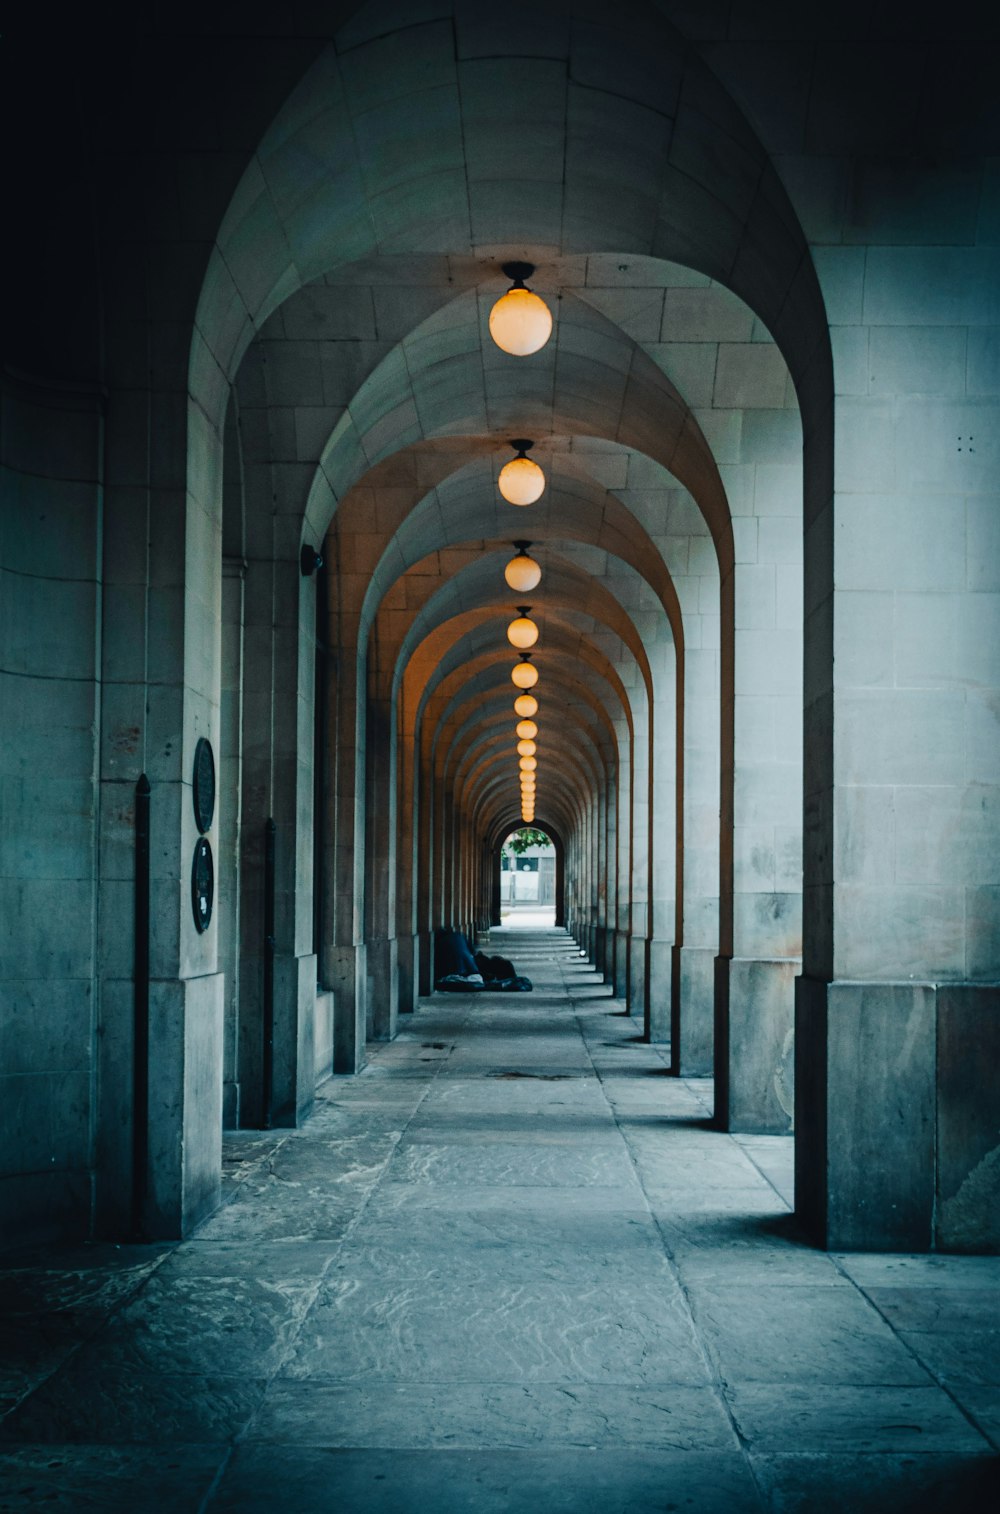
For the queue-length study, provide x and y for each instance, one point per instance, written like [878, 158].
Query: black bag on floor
[455, 983]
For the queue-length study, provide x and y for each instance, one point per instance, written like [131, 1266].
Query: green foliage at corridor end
[524, 838]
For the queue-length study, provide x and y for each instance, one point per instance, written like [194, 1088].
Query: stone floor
[510, 1269]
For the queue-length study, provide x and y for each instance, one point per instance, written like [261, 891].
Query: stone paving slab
[811, 1335]
[878, 1484]
[448, 1329]
[123, 1479]
[489, 1482]
[198, 1325]
[111, 1406]
[533, 1165]
[909, 1420]
[471, 1416]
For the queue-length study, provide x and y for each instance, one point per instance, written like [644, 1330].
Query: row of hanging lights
[525, 707]
[521, 324]
[522, 633]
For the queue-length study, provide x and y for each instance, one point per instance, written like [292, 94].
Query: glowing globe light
[521, 481]
[520, 321]
[522, 572]
[525, 705]
[524, 675]
[526, 749]
[527, 764]
[526, 730]
[522, 632]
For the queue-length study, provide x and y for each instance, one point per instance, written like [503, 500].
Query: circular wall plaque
[204, 783]
[202, 883]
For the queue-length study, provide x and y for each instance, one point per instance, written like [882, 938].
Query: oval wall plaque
[202, 884]
[204, 783]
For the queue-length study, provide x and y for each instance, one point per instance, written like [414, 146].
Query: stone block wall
[50, 607]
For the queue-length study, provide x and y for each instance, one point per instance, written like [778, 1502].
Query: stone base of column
[638, 979]
[692, 1034]
[754, 1036]
[609, 955]
[230, 1105]
[622, 954]
[896, 1148]
[324, 1035]
[406, 955]
[347, 974]
[660, 996]
[382, 987]
[425, 964]
[294, 1074]
[185, 1104]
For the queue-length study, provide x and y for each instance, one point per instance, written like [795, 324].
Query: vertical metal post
[140, 1015]
[267, 1071]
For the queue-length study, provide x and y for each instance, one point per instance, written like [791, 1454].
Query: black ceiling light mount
[518, 273]
[310, 561]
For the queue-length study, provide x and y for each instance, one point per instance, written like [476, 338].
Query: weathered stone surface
[559, 1283]
[476, 1415]
[119, 1479]
[504, 1482]
[967, 1212]
[798, 1483]
[853, 1420]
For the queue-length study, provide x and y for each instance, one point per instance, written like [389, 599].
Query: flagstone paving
[510, 1267]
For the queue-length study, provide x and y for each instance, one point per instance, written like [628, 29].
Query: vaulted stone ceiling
[375, 398]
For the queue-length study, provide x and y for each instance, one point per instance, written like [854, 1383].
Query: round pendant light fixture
[527, 764]
[526, 730]
[522, 633]
[520, 321]
[524, 675]
[526, 748]
[522, 572]
[521, 481]
[525, 705]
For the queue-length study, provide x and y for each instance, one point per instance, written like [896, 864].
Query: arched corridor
[511, 1266]
[315, 585]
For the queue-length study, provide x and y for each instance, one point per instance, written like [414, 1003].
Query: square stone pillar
[348, 978]
[896, 1148]
[754, 1034]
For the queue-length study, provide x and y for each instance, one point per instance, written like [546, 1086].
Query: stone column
[229, 765]
[381, 866]
[693, 1019]
[344, 860]
[761, 899]
[898, 1008]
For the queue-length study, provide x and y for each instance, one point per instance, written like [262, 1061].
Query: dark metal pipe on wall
[267, 1060]
[140, 1013]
